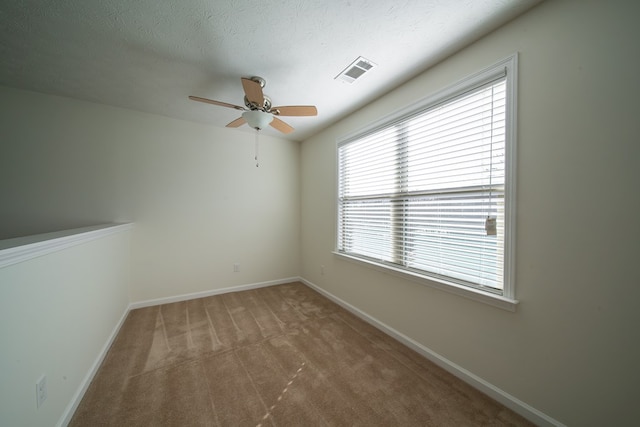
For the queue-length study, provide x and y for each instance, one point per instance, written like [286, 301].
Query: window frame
[506, 300]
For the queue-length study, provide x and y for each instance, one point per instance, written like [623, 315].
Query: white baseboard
[84, 385]
[535, 416]
[195, 295]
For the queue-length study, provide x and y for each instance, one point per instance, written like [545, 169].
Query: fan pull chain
[256, 148]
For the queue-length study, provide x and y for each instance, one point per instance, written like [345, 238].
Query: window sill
[484, 297]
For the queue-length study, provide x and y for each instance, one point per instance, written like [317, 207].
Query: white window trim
[507, 300]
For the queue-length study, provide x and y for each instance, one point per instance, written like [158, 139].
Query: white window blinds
[416, 193]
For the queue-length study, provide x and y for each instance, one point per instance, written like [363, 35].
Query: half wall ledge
[20, 249]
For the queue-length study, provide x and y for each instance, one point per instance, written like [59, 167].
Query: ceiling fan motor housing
[266, 105]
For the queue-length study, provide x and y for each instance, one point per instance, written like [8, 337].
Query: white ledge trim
[13, 251]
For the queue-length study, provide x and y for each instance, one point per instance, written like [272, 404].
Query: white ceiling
[149, 55]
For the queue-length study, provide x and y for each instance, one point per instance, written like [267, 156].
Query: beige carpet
[277, 356]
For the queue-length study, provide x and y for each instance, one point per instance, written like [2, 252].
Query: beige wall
[198, 201]
[571, 349]
[58, 310]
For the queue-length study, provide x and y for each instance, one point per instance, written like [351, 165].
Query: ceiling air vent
[355, 70]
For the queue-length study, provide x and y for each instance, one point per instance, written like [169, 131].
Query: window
[429, 190]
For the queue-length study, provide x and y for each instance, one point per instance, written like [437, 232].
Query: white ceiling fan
[258, 110]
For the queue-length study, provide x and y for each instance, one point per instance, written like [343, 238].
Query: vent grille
[355, 70]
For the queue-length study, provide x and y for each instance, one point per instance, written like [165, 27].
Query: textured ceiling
[149, 55]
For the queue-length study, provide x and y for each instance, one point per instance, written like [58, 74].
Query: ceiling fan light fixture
[257, 119]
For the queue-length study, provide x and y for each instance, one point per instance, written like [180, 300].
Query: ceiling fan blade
[253, 90]
[237, 123]
[281, 126]
[295, 110]
[211, 101]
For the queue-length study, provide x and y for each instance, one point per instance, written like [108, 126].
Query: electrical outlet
[41, 391]
[236, 268]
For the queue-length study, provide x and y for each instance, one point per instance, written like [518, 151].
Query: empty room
[297, 213]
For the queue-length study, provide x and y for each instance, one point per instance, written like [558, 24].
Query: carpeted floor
[282, 355]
